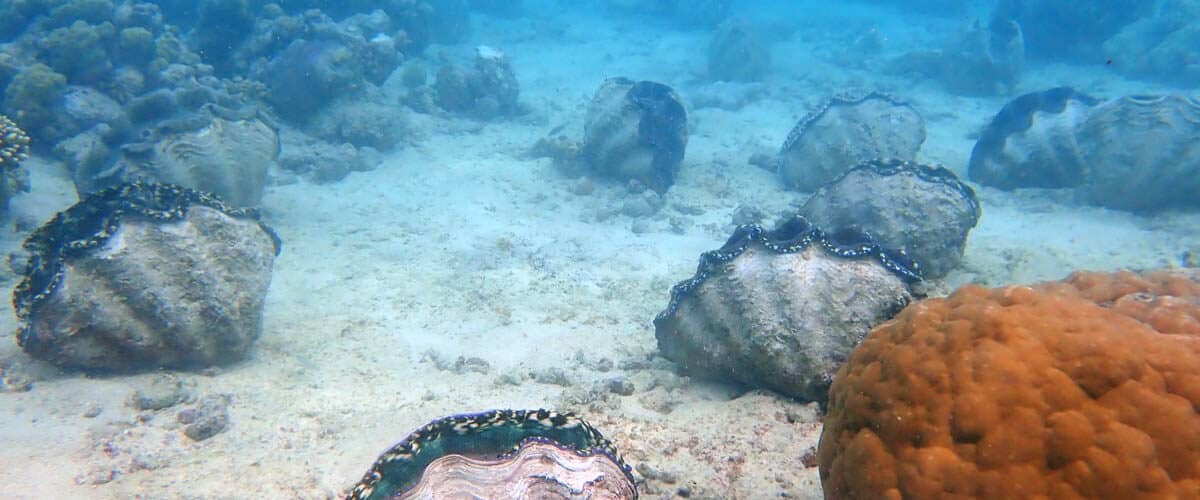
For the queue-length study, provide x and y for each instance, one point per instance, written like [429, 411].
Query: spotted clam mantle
[500, 454]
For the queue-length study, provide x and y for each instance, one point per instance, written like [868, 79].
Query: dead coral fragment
[1086, 388]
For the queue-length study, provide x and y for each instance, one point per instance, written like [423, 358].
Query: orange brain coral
[1088, 387]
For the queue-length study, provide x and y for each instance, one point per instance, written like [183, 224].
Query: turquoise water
[485, 205]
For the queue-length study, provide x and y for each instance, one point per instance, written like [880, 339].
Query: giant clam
[922, 209]
[145, 275]
[228, 158]
[518, 454]
[845, 131]
[635, 131]
[1135, 153]
[781, 309]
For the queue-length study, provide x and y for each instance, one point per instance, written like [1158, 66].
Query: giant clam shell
[500, 454]
[1031, 142]
[1141, 153]
[228, 158]
[635, 131]
[1138, 153]
[782, 309]
[922, 209]
[145, 275]
[845, 131]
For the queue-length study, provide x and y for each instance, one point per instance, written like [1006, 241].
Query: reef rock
[737, 53]
[845, 131]
[925, 211]
[145, 276]
[1129, 153]
[526, 454]
[782, 309]
[228, 158]
[1070, 29]
[635, 131]
[488, 90]
[979, 60]
[1085, 388]
[1160, 46]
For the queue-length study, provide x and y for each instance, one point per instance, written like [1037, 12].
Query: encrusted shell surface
[922, 209]
[497, 452]
[847, 130]
[143, 276]
[229, 158]
[782, 309]
[635, 131]
[538, 470]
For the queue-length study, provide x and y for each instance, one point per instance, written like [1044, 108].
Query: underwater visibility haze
[718, 249]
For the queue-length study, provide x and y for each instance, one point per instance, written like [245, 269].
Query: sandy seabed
[460, 245]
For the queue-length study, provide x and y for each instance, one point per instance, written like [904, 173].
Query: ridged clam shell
[922, 209]
[782, 309]
[226, 158]
[1141, 153]
[847, 130]
[1138, 153]
[158, 294]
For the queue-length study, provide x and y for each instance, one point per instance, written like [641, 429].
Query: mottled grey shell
[845, 131]
[538, 470]
[226, 158]
[781, 321]
[635, 131]
[925, 211]
[159, 294]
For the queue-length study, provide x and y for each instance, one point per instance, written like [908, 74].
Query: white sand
[461, 245]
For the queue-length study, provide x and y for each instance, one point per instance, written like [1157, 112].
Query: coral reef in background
[978, 60]
[844, 131]
[1161, 46]
[737, 52]
[782, 309]
[14, 149]
[546, 447]
[487, 90]
[687, 13]
[1085, 388]
[145, 276]
[925, 211]
[1128, 153]
[1070, 29]
[635, 131]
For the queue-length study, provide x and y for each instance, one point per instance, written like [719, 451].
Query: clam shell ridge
[793, 235]
[488, 434]
[845, 130]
